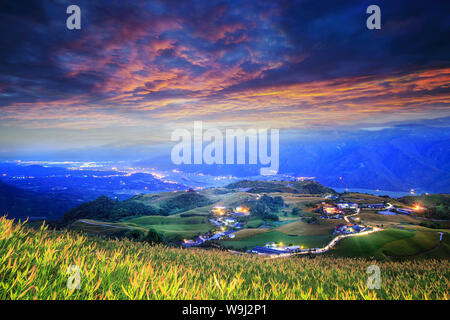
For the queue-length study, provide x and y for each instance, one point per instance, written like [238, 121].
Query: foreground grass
[34, 263]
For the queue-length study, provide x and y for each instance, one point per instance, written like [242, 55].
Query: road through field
[332, 243]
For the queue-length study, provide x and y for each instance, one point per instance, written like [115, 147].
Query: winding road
[333, 242]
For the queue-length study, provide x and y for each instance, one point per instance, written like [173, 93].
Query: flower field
[34, 264]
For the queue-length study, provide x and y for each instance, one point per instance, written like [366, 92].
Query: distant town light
[242, 209]
[219, 210]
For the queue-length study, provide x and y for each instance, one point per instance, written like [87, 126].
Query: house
[219, 210]
[375, 206]
[215, 222]
[230, 234]
[347, 205]
[222, 234]
[339, 228]
[271, 244]
[229, 221]
[405, 210]
[387, 213]
[240, 214]
[238, 225]
[267, 251]
[216, 236]
[329, 209]
[189, 243]
[335, 216]
[358, 228]
[292, 249]
[241, 211]
[346, 228]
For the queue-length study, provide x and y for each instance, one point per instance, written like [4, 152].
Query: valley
[293, 216]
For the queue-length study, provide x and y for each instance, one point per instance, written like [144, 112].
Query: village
[227, 221]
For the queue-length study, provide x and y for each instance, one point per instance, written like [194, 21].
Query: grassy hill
[104, 208]
[165, 204]
[438, 205]
[35, 266]
[94, 227]
[394, 243]
[172, 226]
[298, 187]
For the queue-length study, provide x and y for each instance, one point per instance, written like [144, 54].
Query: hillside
[19, 203]
[132, 270]
[104, 208]
[438, 204]
[299, 187]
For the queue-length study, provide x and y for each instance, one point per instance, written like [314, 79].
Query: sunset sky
[138, 69]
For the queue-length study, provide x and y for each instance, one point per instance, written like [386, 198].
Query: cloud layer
[284, 64]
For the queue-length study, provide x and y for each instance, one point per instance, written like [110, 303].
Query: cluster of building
[388, 209]
[239, 211]
[336, 211]
[272, 248]
[226, 222]
[374, 206]
[219, 235]
[350, 228]
[331, 196]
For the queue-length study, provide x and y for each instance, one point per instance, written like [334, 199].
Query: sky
[139, 69]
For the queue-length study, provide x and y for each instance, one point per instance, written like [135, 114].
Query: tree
[272, 217]
[135, 234]
[153, 237]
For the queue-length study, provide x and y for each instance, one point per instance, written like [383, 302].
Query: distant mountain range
[41, 192]
[19, 203]
[299, 187]
[394, 158]
[377, 160]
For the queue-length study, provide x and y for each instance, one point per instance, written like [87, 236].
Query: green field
[173, 226]
[410, 241]
[388, 243]
[276, 236]
[92, 227]
[34, 265]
